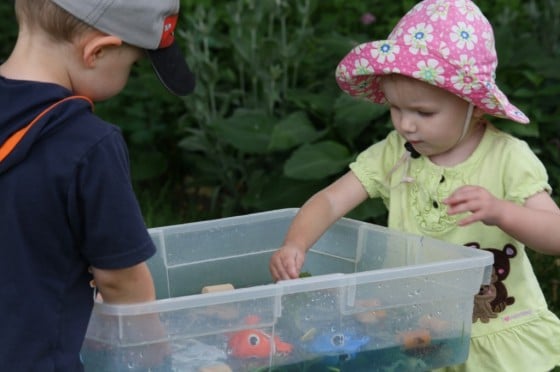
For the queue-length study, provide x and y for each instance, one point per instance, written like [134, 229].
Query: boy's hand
[477, 200]
[286, 263]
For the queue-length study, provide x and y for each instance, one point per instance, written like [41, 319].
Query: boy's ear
[94, 47]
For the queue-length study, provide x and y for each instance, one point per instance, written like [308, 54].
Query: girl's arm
[536, 223]
[312, 220]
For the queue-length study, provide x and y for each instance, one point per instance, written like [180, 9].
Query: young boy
[67, 204]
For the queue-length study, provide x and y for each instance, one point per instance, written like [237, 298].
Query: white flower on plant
[418, 38]
[463, 35]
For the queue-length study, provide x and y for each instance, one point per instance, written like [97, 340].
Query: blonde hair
[50, 18]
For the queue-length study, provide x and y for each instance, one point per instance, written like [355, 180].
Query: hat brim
[172, 70]
[359, 71]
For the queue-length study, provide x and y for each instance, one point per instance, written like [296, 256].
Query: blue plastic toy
[334, 345]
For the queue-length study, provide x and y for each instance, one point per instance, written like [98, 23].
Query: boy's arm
[125, 286]
[135, 285]
[536, 223]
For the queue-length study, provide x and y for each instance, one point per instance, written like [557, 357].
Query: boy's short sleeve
[108, 217]
[373, 165]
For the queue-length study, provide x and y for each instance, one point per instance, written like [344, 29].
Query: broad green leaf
[247, 131]
[267, 193]
[321, 102]
[317, 161]
[353, 115]
[292, 131]
[194, 143]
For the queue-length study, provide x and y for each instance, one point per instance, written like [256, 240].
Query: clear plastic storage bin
[376, 300]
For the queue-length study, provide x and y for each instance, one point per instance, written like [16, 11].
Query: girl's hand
[477, 200]
[286, 263]
[535, 223]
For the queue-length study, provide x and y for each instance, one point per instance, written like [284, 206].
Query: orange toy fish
[254, 343]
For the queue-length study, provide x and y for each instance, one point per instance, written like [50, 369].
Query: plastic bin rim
[276, 290]
[476, 259]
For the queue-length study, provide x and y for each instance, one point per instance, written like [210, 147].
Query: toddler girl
[448, 173]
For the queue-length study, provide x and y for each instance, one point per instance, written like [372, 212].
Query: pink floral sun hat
[449, 44]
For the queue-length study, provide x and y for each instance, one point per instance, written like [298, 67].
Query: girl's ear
[95, 46]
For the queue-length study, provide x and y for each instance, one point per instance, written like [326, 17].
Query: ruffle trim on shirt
[426, 193]
[530, 190]
[532, 346]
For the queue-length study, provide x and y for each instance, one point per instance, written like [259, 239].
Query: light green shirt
[502, 164]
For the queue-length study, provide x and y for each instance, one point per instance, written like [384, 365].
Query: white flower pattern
[463, 35]
[362, 67]
[438, 10]
[490, 102]
[430, 71]
[467, 10]
[342, 71]
[488, 38]
[466, 79]
[385, 52]
[418, 38]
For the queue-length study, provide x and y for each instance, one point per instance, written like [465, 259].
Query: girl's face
[428, 117]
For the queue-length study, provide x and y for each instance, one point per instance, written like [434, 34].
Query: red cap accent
[168, 34]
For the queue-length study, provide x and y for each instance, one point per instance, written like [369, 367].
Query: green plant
[8, 29]
[267, 125]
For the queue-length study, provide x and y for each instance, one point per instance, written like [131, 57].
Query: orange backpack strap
[8, 146]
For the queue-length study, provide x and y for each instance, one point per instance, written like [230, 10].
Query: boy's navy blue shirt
[66, 204]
